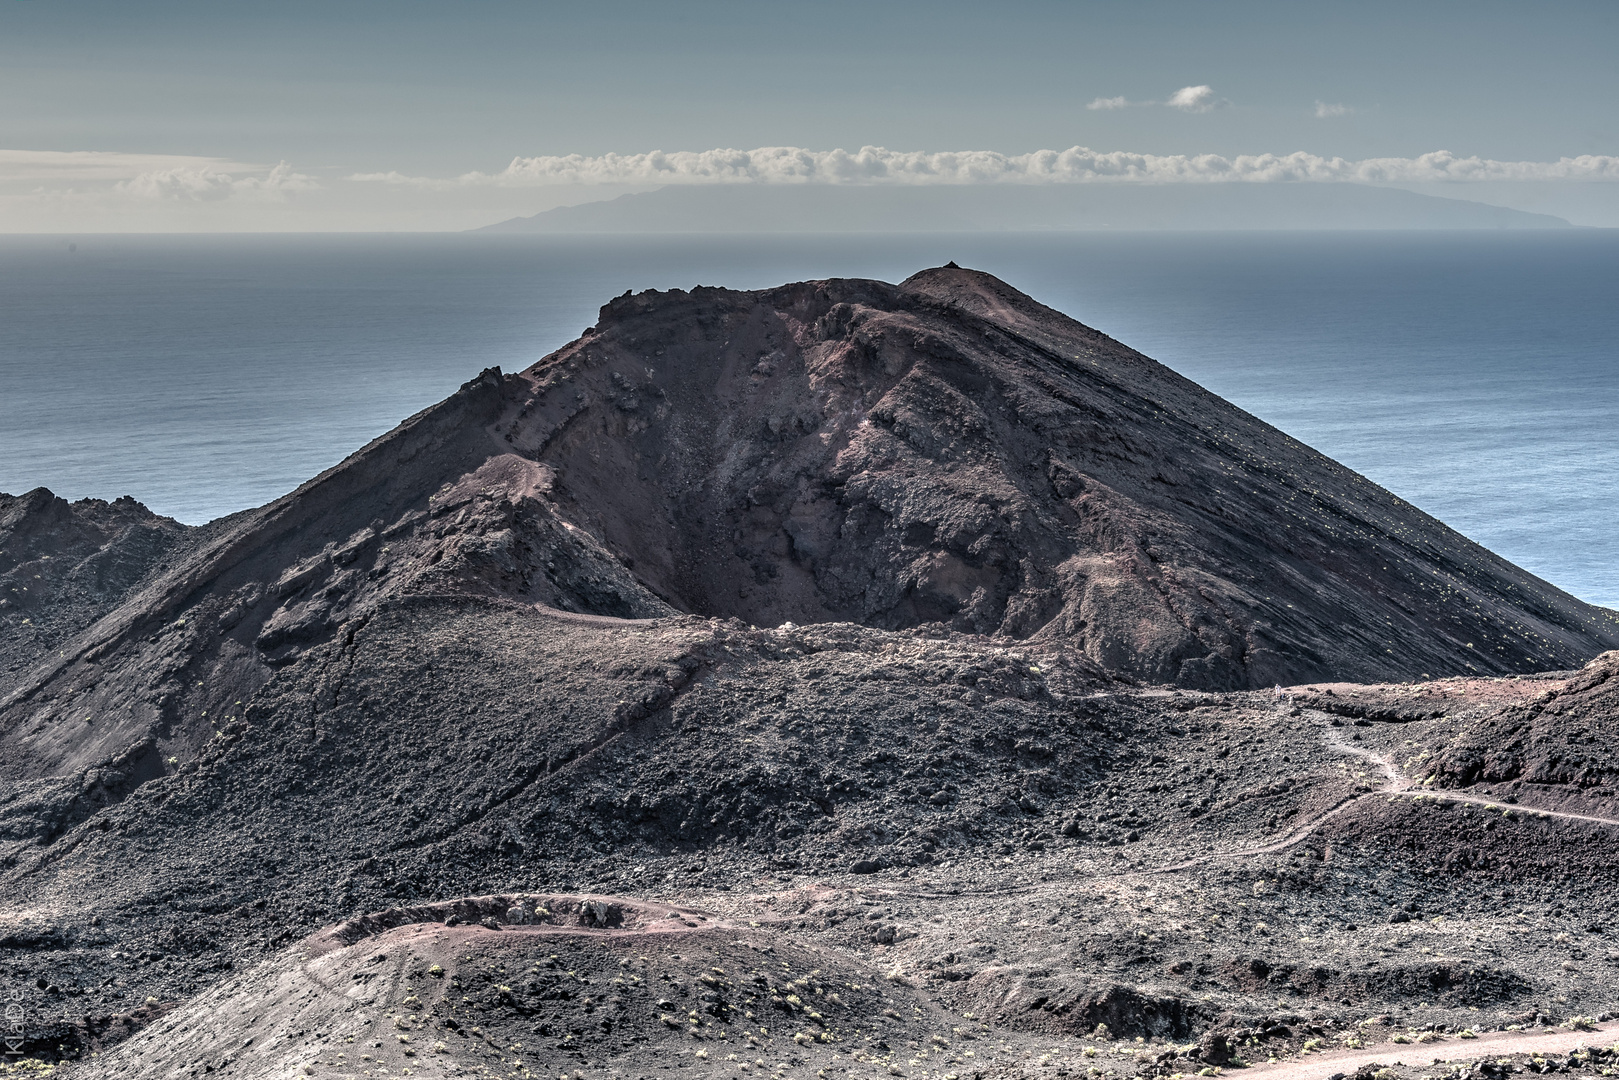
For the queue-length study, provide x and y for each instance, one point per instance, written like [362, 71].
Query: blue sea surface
[1475, 374]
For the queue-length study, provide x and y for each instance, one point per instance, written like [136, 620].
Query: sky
[361, 115]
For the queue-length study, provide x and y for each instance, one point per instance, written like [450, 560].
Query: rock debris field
[845, 679]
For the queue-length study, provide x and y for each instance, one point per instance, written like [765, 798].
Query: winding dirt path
[1423, 1055]
[1395, 786]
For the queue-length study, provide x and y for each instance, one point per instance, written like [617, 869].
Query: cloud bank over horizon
[103, 175]
[115, 191]
[1076, 165]
[210, 184]
[91, 191]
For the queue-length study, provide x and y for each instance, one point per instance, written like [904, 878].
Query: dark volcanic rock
[63, 565]
[947, 451]
[1564, 736]
[943, 453]
[536, 640]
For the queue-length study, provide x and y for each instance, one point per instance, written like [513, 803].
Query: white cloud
[207, 184]
[108, 175]
[1076, 165]
[400, 178]
[1197, 99]
[1324, 111]
[201, 185]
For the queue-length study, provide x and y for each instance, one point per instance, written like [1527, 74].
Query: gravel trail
[1489, 1044]
[1397, 786]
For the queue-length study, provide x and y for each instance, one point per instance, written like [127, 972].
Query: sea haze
[1476, 374]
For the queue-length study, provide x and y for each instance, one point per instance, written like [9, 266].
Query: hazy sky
[193, 108]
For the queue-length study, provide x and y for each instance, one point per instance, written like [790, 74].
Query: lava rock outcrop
[64, 565]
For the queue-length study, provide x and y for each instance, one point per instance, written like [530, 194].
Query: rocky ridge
[64, 565]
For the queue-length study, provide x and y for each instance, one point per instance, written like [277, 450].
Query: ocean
[1474, 374]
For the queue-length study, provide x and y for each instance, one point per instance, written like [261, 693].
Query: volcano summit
[949, 452]
[842, 676]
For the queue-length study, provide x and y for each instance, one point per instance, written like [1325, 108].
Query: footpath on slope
[1423, 1055]
[1395, 787]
